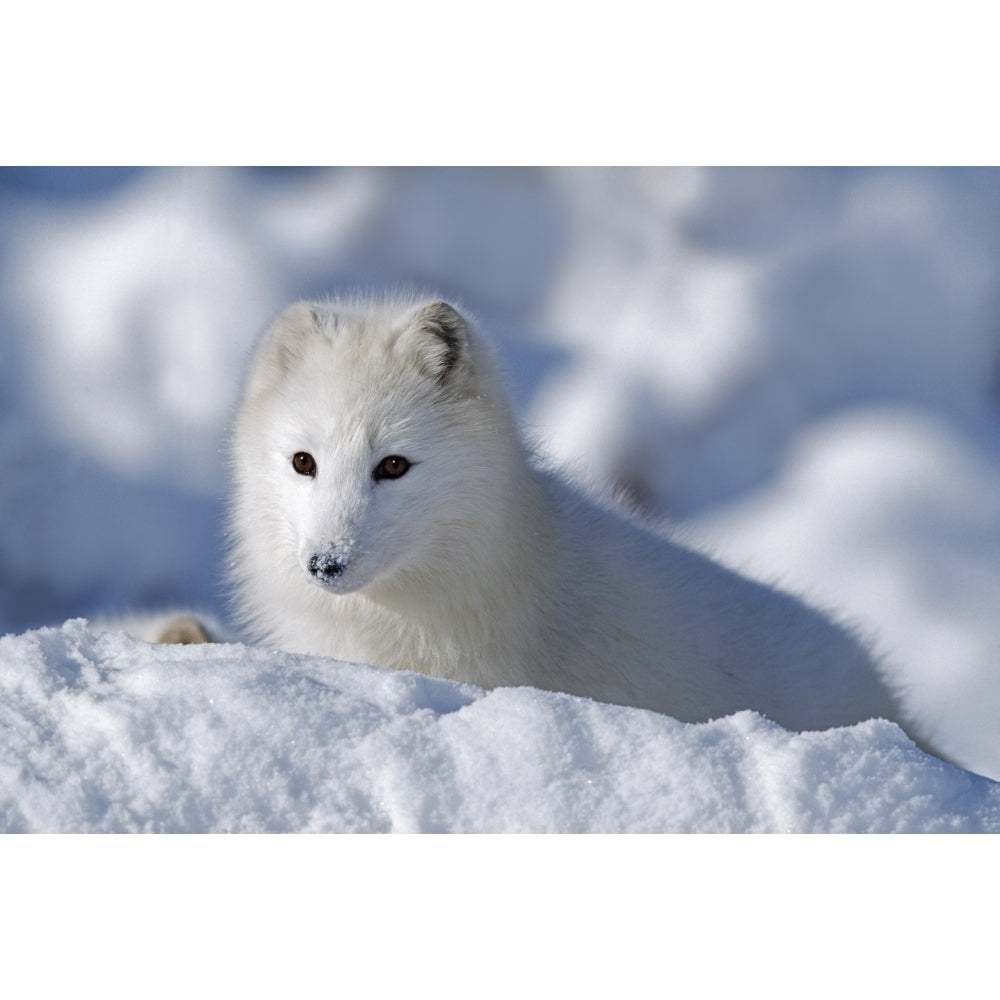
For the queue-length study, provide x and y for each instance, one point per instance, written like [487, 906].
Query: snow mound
[108, 734]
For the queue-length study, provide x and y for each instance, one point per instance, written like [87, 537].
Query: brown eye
[391, 467]
[304, 464]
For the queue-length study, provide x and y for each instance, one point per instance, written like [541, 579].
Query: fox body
[386, 510]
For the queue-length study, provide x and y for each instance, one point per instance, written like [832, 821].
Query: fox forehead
[330, 379]
[369, 406]
[357, 357]
[339, 417]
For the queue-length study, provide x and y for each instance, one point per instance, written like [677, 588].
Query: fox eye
[304, 464]
[391, 467]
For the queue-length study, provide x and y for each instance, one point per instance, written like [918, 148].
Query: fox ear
[441, 337]
[294, 324]
[282, 343]
[299, 317]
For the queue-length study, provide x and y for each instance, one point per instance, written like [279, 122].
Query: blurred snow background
[796, 367]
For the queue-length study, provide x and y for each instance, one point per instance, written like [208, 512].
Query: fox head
[369, 439]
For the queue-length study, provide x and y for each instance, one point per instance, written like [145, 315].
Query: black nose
[325, 566]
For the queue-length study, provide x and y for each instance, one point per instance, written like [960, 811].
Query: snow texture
[110, 735]
[795, 368]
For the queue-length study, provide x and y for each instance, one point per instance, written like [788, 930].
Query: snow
[106, 735]
[796, 368]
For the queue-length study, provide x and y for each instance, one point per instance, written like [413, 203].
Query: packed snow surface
[108, 734]
[796, 369]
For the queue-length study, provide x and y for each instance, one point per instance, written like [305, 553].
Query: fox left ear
[442, 338]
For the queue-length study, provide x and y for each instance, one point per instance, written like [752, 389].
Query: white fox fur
[475, 563]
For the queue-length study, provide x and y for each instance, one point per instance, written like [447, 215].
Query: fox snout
[327, 565]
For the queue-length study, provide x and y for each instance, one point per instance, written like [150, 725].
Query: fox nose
[326, 566]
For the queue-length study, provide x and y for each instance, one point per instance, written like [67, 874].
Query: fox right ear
[281, 344]
[302, 317]
[294, 324]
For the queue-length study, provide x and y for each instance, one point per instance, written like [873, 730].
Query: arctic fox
[385, 510]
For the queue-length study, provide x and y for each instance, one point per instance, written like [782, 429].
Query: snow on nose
[328, 564]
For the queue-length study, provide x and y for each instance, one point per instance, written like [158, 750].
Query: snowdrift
[108, 734]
